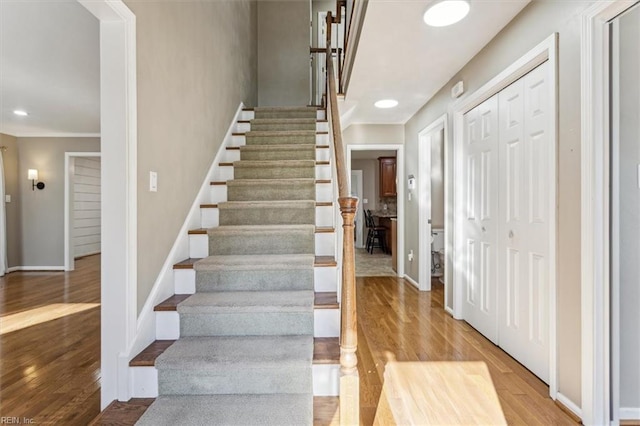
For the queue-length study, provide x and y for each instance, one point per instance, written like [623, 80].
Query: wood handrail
[349, 380]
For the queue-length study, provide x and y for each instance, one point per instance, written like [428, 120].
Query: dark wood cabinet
[387, 176]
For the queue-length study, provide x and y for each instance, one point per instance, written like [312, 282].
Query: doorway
[82, 218]
[434, 229]
[358, 192]
[373, 200]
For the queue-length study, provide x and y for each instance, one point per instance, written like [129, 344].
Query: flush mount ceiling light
[446, 12]
[386, 103]
[20, 113]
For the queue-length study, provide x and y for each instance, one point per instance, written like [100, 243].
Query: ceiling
[49, 67]
[400, 57]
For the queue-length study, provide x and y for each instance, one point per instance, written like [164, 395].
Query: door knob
[484, 229]
[510, 233]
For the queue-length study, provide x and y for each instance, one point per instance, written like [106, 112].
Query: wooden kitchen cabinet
[387, 176]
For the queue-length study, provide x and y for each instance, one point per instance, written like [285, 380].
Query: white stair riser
[322, 126]
[218, 194]
[324, 216]
[323, 172]
[198, 245]
[326, 381]
[209, 217]
[323, 154]
[184, 281]
[325, 279]
[321, 115]
[243, 127]
[231, 155]
[324, 193]
[224, 173]
[247, 115]
[238, 140]
[167, 325]
[145, 382]
[324, 245]
[326, 324]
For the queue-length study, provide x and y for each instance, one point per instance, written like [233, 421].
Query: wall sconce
[32, 175]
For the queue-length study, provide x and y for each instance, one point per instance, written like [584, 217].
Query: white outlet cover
[7, 198]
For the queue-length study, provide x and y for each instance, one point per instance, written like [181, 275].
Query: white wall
[534, 24]
[284, 33]
[85, 199]
[629, 74]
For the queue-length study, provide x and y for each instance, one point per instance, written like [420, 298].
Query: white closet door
[478, 243]
[523, 237]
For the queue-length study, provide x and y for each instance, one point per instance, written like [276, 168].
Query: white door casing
[524, 235]
[357, 191]
[479, 231]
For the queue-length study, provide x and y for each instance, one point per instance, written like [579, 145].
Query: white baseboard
[411, 280]
[35, 268]
[629, 413]
[572, 406]
[164, 284]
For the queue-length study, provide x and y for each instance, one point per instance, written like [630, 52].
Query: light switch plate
[365, 201]
[153, 181]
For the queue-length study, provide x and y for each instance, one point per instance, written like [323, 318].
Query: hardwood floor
[398, 323]
[50, 345]
[49, 368]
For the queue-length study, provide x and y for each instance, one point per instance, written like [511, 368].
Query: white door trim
[424, 176]
[399, 189]
[359, 212]
[595, 282]
[118, 123]
[69, 263]
[545, 51]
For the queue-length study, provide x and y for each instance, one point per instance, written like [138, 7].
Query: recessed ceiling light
[386, 103]
[20, 113]
[446, 12]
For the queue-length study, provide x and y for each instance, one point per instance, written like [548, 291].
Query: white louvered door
[505, 242]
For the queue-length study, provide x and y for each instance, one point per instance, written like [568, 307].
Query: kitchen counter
[381, 213]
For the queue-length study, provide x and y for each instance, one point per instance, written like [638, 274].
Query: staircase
[255, 338]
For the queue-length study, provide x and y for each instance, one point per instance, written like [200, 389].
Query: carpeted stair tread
[257, 229]
[272, 182]
[248, 302]
[255, 262]
[271, 124]
[284, 121]
[277, 147]
[212, 352]
[259, 164]
[230, 410]
[279, 204]
[280, 133]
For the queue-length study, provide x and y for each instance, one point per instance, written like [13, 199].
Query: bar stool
[377, 235]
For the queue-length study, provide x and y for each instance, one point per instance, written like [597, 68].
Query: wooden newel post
[349, 381]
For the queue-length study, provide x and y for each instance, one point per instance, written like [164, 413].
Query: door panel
[479, 237]
[524, 235]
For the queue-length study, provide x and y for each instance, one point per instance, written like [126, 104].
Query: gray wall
[11, 186]
[629, 209]
[370, 184]
[364, 134]
[283, 53]
[535, 23]
[196, 62]
[42, 211]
